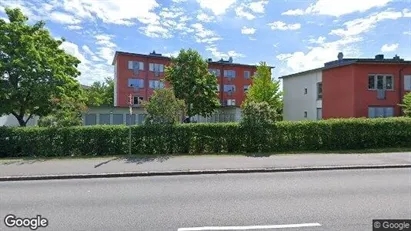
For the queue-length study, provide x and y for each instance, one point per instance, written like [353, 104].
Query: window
[229, 73]
[231, 102]
[305, 114]
[215, 72]
[229, 88]
[156, 84]
[132, 121]
[136, 83]
[155, 67]
[218, 87]
[91, 119]
[305, 91]
[246, 87]
[246, 74]
[407, 82]
[104, 119]
[319, 113]
[377, 112]
[319, 91]
[132, 65]
[118, 119]
[380, 82]
[137, 100]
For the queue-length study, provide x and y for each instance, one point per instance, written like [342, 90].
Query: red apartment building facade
[348, 88]
[140, 74]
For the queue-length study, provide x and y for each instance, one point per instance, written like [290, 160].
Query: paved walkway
[185, 163]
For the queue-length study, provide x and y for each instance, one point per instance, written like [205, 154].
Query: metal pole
[129, 126]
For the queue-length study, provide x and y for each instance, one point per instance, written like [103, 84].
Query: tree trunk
[21, 120]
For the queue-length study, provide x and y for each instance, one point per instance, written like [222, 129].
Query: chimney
[340, 56]
[396, 57]
[230, 60]
[209, 59]
[379, 57]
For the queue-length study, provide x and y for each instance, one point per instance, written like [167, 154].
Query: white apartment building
[303, 95]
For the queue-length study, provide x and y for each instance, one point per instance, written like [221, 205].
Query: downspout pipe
[402, 86]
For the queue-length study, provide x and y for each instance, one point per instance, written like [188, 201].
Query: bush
[326, 135]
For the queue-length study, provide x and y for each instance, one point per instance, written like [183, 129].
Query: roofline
[350, 62]
[302, 72]
[169, 58]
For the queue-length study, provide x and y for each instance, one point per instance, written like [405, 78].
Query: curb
[197, 172]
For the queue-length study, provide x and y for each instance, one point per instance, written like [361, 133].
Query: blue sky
[292, 35]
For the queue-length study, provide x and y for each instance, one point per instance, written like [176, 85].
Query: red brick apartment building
[140, 75]
[345, 88]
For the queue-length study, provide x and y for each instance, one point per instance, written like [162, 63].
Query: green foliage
[257, 114]
[191, 81]
[264, 89]
[33, 69]
[325, 135]
[100, 93]
[67, 112]
[164, 108]
[407, 104]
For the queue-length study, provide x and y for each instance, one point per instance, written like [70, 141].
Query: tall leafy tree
[191, 82]
[164, 107]
[100, 93]
[407, 104]
[34, 71]
[265, 89]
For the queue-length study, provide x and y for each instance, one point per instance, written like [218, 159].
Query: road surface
[323, 200]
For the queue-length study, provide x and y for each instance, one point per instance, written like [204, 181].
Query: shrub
[326, 135]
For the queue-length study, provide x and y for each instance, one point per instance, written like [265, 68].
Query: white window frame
[319, 96]
[158, 67]
[246, 88]
[384, 82]
[230, 102]
[142, 86]
[232, 89]
[215, 72]
[407, 82]
[384, 108]
[131, 64]
[156, 84]
[139, 100]
[229, 73]
[247, 76]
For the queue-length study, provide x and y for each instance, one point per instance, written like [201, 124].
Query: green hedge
[326, 135]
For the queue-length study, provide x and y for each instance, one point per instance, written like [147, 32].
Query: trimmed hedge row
[326, 135]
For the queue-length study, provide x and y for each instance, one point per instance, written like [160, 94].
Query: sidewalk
[181, 164]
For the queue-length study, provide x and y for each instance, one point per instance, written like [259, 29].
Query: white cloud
[224, 55]
[240, 12]
[316, 56]
[407, 32]
[172, 13]
[74, 27]
[73, 49]
[105, 48]
[157, 31]
[179, 1]
[203, 35]
[389, 47]
[246, 30]
[319, 40]
[171, 54]
[362, 25]
[218, 7]
[87, 50]
[203, 17]
[338, 8]
[293, 12]
[406, 13]
[63, 18]
[258, 6]
[5, 19]
[278, 25]
[122, 12]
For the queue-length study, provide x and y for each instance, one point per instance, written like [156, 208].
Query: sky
[291, 35]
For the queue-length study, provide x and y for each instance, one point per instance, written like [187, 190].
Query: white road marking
[211, 228]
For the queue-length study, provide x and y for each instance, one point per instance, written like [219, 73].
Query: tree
[407, 104]
[264, 89]
[163, 107]
[67, 112]
[33, 69]
[100, 93]
[257, 114]
[191, 81]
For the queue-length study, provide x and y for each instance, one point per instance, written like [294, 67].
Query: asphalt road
[324, 200]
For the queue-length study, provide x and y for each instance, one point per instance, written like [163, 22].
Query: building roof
[302, 72]
[159, 56]
[379, 59]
